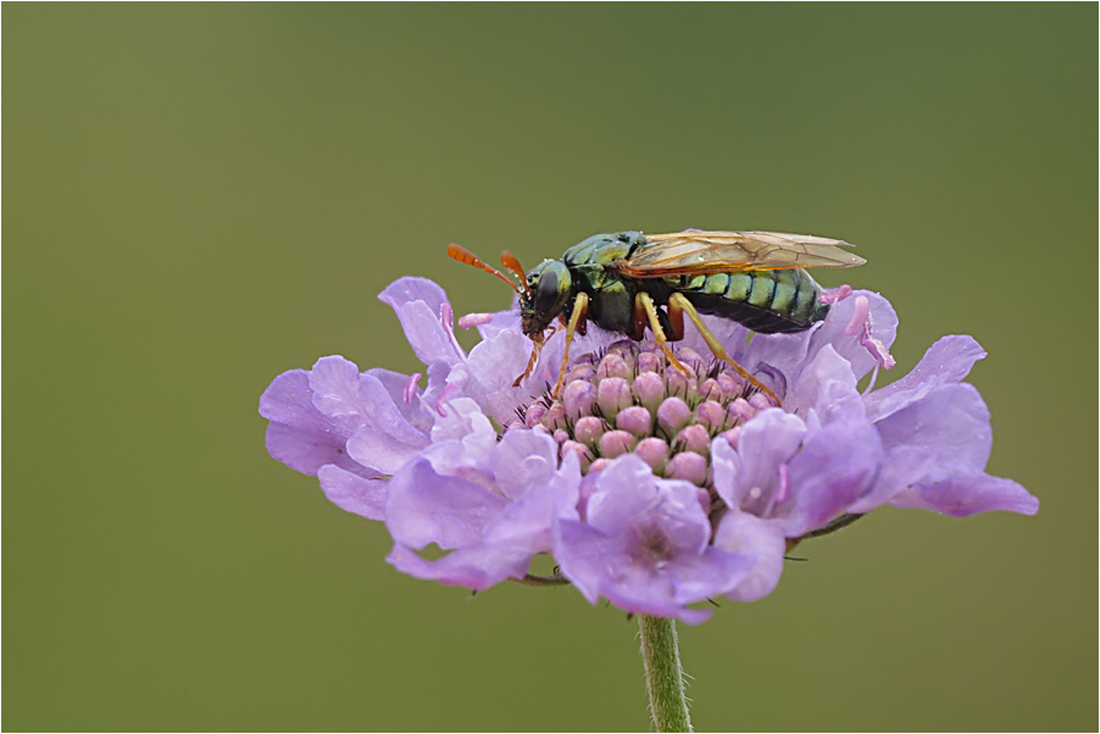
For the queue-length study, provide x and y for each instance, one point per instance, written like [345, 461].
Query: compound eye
[547, 294]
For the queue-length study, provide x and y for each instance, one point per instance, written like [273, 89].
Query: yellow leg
[680, 303]
[580, 308]
[536, 350]
[643, 302]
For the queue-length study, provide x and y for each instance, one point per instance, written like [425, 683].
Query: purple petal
[426, 334]
[382, 413]
[395, 385]
[495, 364]
[960, 496]
[835, 467]
[335, 385]
[465, 422]
[653, 596]
[477, 567]
[585, 555]
[351, 492]
[947, 361]
[380, 451]
[409, 289]
[828, 385]
[768, 440]
[523, 460]
[301, 436]
[601, 565]
[528, 521]
[625, 490]
[425, 507]
[746, 534]
[726, 465]
[713, 573]
[951, 424]
[945, 433]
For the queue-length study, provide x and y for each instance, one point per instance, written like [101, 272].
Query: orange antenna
[465, 256]
[509, 261]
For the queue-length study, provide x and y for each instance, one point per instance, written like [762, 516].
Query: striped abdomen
[766, 301]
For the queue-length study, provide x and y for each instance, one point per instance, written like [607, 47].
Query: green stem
[664, 677]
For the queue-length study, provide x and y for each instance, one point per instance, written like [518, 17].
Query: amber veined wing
[696, 252]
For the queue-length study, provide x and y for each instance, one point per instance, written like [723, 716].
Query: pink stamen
[871, 382]
[861, 325]
[877, 349]
[447, 319]
[861, 317]
[836, 295]
[442, 397]
[410, 389]
[475, 319]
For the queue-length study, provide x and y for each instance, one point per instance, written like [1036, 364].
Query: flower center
[628, 399]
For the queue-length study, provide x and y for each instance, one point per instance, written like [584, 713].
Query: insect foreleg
[642, 302]
[580, 308]
[678, 304]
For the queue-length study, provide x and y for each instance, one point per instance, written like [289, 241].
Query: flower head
[653, 488]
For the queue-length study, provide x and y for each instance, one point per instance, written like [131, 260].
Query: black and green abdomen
[766, 301]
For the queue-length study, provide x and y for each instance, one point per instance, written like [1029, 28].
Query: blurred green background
[198, 197]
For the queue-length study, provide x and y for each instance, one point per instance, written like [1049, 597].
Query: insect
[620, 280]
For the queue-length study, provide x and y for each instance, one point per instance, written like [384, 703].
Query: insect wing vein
[698, 252]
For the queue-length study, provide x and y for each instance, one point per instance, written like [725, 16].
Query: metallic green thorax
[765, 301]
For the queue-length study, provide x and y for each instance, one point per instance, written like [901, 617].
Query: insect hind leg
[678, 305]
[643, 304]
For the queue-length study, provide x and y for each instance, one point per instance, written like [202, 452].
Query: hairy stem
[664, 677]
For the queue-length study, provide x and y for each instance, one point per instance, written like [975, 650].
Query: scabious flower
[649, 487]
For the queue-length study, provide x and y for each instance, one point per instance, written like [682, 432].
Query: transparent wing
[696, 252]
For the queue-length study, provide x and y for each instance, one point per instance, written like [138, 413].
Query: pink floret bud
[694, 438]
[704, 499]
[739, 411]
[616, 443]
[654, 452]
[612, 395]
[729, 384]
[635, 420]
[582, 371]
[692, 359]
[555, 417]
[679, 383]
[732, 436]
[649, 388]
[650, 362]
[578, 398]
[588, 430]
[582, 452]
[673, 414]
[535, 414]
[710, 389]
[710, 415]
[598, 466]
[690, 467]
[613, 365]
[760, 401]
